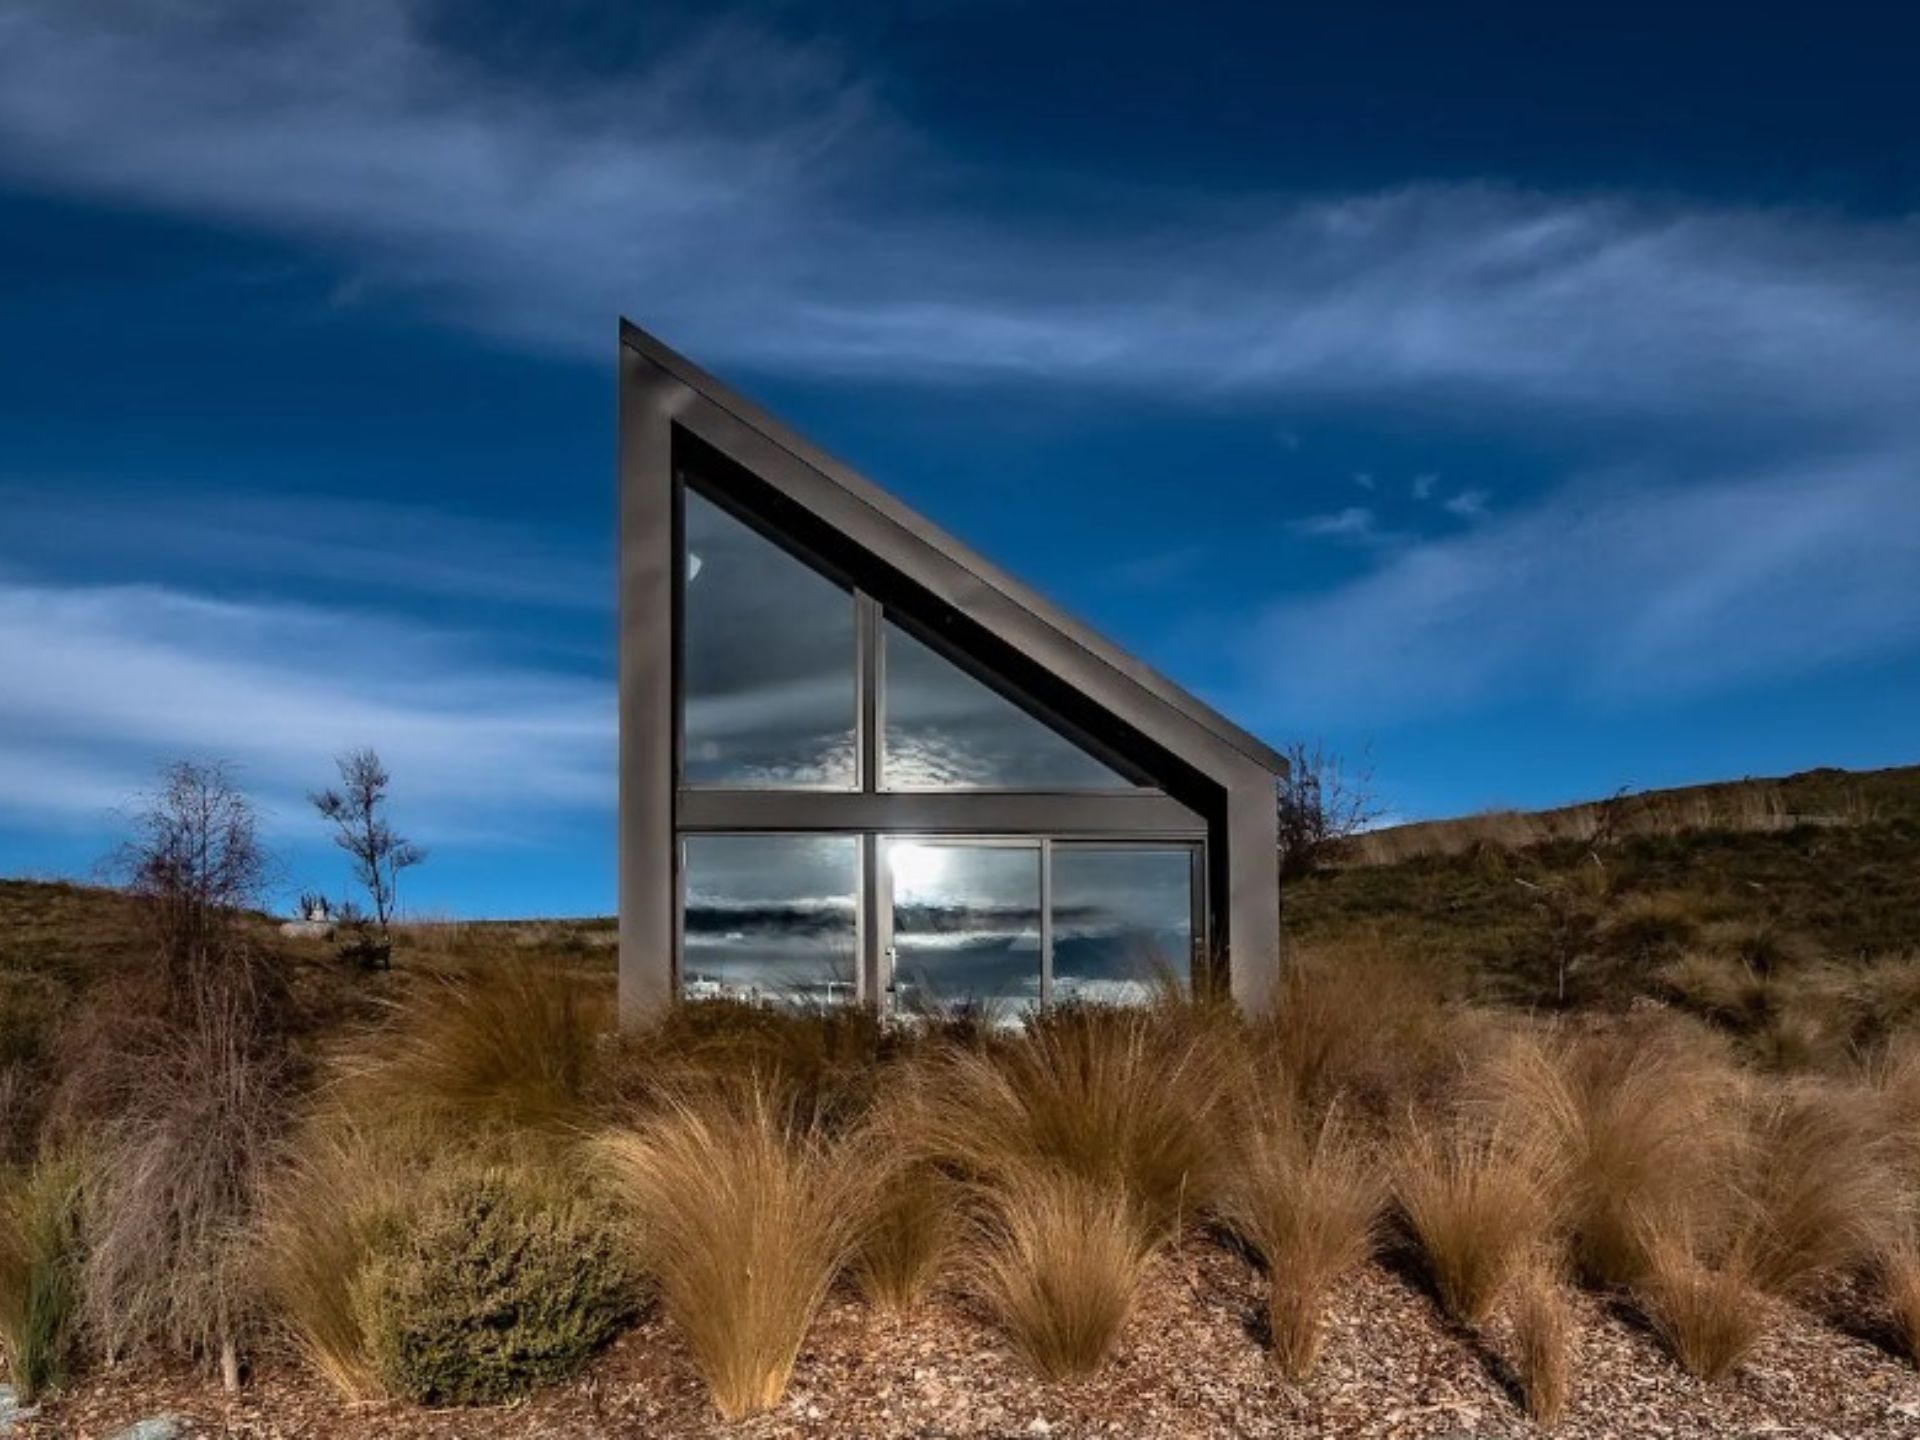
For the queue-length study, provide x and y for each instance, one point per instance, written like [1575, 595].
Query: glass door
[965, 926]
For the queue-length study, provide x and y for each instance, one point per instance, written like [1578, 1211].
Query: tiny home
[859, 764]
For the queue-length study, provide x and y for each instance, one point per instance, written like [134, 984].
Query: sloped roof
[982, 572]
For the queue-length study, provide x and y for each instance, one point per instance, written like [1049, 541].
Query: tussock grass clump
[342, 1195]
[1307, 1197]
[744, 1217]
[1543, 1344]
[1359, 1024]
[909, 1236]
[1897, 1274]
[1820, 1197]
[820, 1061]
[508, 1045]
[1479, 1200]
[39, 1265]
[1060, 1263]
[499, 1283]
[1643, 1127]
[1125, 1099]
[1644, 926]
[1709, 1315]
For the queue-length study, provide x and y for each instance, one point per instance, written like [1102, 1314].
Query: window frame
[1139, 816]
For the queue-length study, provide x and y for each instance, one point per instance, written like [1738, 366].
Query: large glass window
[946, 730]
[769, 662]
[966, 926]
[771, 917]
[1122, 921]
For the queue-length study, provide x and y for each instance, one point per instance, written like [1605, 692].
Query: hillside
[1763, 906]
[1712, 995]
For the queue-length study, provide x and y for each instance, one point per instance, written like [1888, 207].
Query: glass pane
[1122, 922]
[966, 927]
[769, 662]
[948, 731]
[771, 917]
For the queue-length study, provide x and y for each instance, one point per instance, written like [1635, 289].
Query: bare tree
[196, 861]
[1322, 803]
[357, 811]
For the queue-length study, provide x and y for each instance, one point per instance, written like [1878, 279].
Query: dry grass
[1307, 1198]
[822, 1062]
[1118, 1098]
[1479, 1200]
[1644, 1127]
[509, 1045]
[1060, 1264]
[744, 1218]
[340, 1195]
[1709, 1315]
[168, 1210]
[1897, 1275]
[1543, 1344]
[909, 1236]
[1819, 1197]
[1362, 1026]
[1746, 806]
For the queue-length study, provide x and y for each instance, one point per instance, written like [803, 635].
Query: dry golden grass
[909, 1235]
[342, 1191]
[1364, 1026]
[1543, 1344]
[1819, 1198]
[1479, 1200]
[1307, 1198]
[1746, 806]
[1897, 1275]
[508, 1045]
[1119, 1098]
[744, 1218]
[1709, 1315]
[1060, 1263]
[1644, 1127]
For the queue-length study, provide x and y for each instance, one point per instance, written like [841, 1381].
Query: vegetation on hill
[1668, 1076]
[1742, 925]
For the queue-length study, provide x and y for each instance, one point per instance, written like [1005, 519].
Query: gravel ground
[1189, 1366]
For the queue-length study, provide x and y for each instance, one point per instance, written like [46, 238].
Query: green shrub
[499, 1285]
[39, 1255]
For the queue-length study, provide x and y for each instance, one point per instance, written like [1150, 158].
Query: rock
[157, 1427]
[11, 1409]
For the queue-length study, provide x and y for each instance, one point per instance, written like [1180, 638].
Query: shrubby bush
[499, 1284]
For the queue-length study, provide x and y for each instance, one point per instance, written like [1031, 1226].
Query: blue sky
[1529, 397]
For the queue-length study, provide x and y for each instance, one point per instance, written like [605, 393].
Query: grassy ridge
[1497, 920]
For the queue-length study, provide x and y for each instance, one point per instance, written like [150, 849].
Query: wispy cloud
[1468, 504]
[375, 548]
[1612, 591]
[105, 682]
[754, 200]
[1422, 488]
[1355, 522]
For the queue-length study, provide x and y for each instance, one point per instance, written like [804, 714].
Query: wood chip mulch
[1190, 1365]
